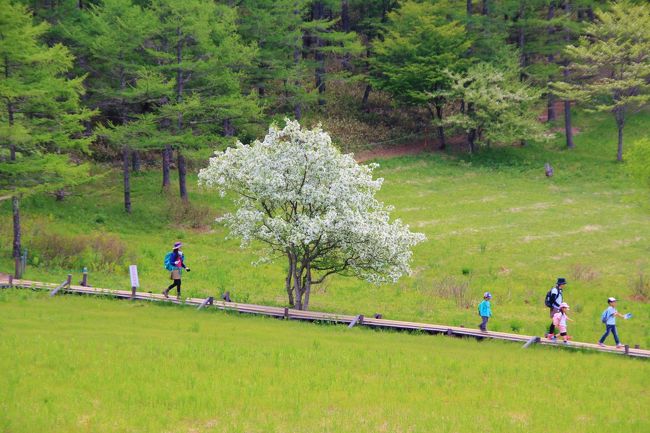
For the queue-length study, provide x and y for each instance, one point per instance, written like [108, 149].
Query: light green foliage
[499, 108]
[612, 61]
[40, 111]
[639, 161]
[82, 364]
[419, 43]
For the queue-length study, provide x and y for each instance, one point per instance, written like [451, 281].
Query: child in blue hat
[485, 311]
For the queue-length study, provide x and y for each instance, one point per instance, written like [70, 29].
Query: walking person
[609, 319]
[554, 299]
[560, 318]
[485, 311]
[175, 262]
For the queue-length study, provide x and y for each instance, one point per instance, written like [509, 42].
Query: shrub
[186, 214]
[453, 288]
[584, 272]
[641, 288]
[96, 251]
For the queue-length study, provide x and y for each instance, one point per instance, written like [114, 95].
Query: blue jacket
[174, 259]
[484, 309]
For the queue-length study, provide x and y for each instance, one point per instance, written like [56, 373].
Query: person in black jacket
[556, 300]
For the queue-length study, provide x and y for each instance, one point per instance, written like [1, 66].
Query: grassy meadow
[493, 222]
[78, 364]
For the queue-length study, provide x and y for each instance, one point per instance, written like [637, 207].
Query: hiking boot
[164, 292]
[601, 344]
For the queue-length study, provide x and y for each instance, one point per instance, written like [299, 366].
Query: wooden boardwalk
[350, 320]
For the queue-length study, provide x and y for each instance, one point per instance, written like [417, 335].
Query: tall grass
[74, 364]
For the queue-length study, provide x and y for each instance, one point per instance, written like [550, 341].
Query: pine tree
[41, 121]
[111, 39]
[612, 62]
[196, 46]
[419, 43]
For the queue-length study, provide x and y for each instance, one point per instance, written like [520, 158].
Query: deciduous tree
[307, 202]
[612, 63]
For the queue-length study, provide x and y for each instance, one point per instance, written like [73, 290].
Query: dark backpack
[548, 301]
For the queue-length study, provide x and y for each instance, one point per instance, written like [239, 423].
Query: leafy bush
[96, 251]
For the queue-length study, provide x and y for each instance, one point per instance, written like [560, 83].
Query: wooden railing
[350, 320]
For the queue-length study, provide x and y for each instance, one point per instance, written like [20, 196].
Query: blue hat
[560, 281]
[487, 295]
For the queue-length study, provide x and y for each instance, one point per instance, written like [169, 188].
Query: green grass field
[493, 221]
[76, 364]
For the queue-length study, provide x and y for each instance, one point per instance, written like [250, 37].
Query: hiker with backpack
[175, 263]
[609, 319]
[485, 311]
[559, 319]
[553, 301]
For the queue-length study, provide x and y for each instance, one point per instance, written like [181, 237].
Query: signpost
[135, 283]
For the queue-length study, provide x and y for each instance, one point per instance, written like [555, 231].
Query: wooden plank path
[288, 313]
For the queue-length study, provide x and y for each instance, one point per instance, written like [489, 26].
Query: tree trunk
[135, 161]
[345, 15]
[166, 158]
[551, 115]
[228, 128]
[181, 175]
[550, 107]
[297, 280]
[296, 60]
[319, 56]
[15, 203]
[469, 8]
[307, 287]
[288, 280]
[485, 7]
[620, 123]
[441, 130]
[12, 145]
[366, 95]
[127, 180]
[568, 129]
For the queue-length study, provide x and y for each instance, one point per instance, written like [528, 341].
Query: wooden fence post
[226, 297]
[286, 313]
[636, 346]
[358, 319]
[69, 280]
[206, 302]
[530, 342]
[11, 280]
[377, 316]
[84, 278]
[627, 349]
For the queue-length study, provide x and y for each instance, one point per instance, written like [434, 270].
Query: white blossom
[305, 200]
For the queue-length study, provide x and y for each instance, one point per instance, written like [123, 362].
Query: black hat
[560, 281]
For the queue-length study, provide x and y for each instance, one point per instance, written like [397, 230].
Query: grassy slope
[73, 364]
[494, 216]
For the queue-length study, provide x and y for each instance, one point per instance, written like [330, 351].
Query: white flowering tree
[307, 202]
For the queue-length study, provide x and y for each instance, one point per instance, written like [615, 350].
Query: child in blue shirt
[609, 316]
[484, 311]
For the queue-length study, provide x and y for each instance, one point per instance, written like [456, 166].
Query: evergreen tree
[112, 37]
[196, 46]
[41, 121]
[612, 62]
[418, 44]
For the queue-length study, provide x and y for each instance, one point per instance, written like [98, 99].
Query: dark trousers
[483, 325]
[551, 329]
[612, 329]
[177, 284]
